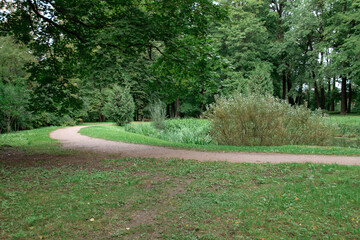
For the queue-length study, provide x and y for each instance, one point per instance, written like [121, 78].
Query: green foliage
[177, 130]
[14, 103]
[347, 125]
[115, 133]
[244, 41]
[188, 131]
[44, 119]
[260, 81]
[347, 131]
[158, 115]
[14, 57]
[258, 120]
[133, 43]
[119, 106]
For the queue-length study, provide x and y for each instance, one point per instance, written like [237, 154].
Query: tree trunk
[322, 92]
[328, 95]
[168, 110]
[343, 95]
[332, 106]
[289, 85]
[317, 97]
[172, 109]
[9, 125]
[178, 107]
[283, 86]
[202, 107]
[101, 117]
[350, 99]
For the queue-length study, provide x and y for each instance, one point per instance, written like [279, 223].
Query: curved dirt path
[71, 139]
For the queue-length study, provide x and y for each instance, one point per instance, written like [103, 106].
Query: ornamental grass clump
[158, 115]
[258, 120]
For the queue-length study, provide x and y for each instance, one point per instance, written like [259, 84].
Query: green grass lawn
[78, 196]
[36, 140]
[176, 199]
[353, 119]
[116, 133]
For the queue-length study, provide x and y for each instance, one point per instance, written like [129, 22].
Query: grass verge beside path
[115, 133]
[78, 196]
[36, 140]
[174, 199]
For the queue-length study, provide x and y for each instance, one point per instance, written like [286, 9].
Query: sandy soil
[71, 139]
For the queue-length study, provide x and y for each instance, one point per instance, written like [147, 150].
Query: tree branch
[35, 10]
[74, 19]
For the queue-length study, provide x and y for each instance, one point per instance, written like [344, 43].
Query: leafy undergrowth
[189, 130]
[115, 133]
[135, 198]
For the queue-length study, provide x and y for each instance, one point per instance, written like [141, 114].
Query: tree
[244, 41]
[14, 95]
[119, 105]
[342, 36]
[14, 58]
[14, 100]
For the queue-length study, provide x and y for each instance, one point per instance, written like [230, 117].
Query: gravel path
[71, 139]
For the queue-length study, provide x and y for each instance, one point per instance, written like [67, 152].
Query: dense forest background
[60, 60]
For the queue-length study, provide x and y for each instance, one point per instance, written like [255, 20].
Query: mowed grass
[174, 199]
[116, 133]
[348, 130]
[36, 140]
[352, 119]
[141, 198]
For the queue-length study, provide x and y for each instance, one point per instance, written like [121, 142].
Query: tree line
[61, 59]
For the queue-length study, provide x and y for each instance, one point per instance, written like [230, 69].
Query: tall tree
[243, 40]
[343, 36]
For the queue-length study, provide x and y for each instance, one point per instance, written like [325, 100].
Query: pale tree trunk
[332, 106]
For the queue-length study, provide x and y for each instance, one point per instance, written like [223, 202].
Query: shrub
[158, 115]
[257, 120]
[119, 105]
[193, 131]
[14, 102]
[144, 128]
[188, 130]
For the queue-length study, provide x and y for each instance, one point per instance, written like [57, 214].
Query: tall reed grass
[257, 120]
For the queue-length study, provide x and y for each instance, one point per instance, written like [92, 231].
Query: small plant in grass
[258, 120]
[120, 105]
[158, 115]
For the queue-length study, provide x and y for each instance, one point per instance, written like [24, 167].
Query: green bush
[14, 103]
[119, 105]
[193, 131]
[158, 115]
[257, 120]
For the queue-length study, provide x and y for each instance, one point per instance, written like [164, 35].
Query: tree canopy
[69, 54]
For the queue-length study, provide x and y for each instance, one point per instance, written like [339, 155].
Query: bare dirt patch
[15, 157]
